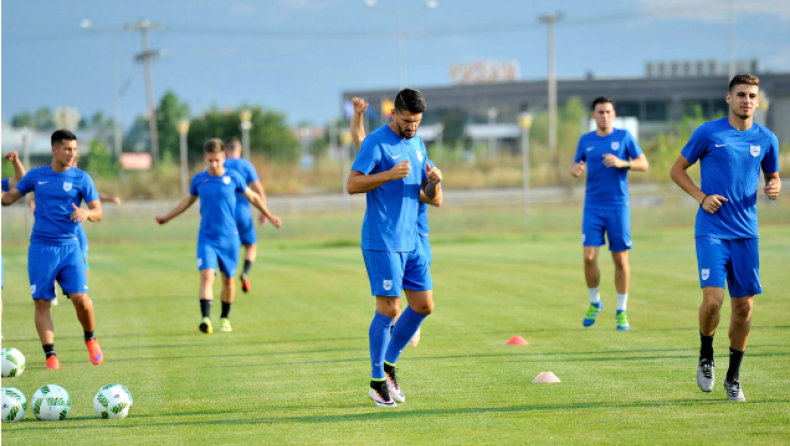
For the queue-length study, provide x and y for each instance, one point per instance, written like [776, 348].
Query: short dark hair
[602, 100]
[59, 135]
[410, 100]
[744, 79]
[232, 140]
[214, 145]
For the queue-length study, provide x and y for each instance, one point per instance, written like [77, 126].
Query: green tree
[269, 135]
[44, 119]
[23, 119]
[169, 112]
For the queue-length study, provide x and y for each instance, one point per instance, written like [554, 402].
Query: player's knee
[742, 310]
[590, 259]
[424, 308]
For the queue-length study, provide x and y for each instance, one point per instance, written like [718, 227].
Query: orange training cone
[517, 340]
[546, 377]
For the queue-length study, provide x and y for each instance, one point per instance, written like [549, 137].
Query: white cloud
[715, 11]
[307, 5]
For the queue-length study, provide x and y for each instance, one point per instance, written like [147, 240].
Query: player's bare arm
[359, 183]
[577, 169]
[19, 168]
[257, 201]
[436, 201]
[773, 185]
[94, 212]
[107, 198]
[11, 197]
[710, 203]
[257, 187]
[178, 210]
[431, 187]
[638, 164]
[357, 125]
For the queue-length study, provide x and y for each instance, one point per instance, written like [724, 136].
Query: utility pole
[551, 19]
[732, 39]
[143, 26]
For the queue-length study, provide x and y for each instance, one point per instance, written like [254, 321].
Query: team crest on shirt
[705, 274]
[754, 150]
[388, 283]
[419, 155]
[226, 179]
[615, 145]
[66, 187]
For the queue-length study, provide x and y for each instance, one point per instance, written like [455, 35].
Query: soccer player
[391, 169]
[609, 154]
[218, 239]
[731, 151]
[7, 184]
[357, 129]
[54, 250]
[244, 223]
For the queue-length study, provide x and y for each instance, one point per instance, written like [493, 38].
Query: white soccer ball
[113, 401]
[14, 404]
[51, 403]
[13, 362]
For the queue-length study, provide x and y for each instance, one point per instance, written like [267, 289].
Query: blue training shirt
[247, 172]
[55, 193]
[217, 204]
[5, 185]
[730, 167]
[390, 222]
[607, 187]
[82, 237]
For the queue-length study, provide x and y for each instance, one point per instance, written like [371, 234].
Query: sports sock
[379, 336]
[706, 346]
[88, 335]
[621, 301]
[205, 307]
[49, 350]
[225, 309]
[733, 373]
[247, 266]
[595, 295]
[408, 324]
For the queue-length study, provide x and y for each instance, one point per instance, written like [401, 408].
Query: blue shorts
[82, 238]
[225, 254]
[48, 263]
[246, 226]
[391, 272]
[737, 261]
[426, 248]
[616, 223]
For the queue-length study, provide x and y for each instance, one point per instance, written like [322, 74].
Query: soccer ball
[113, 401]
[13, 362]
[14, 404]
[51, 403]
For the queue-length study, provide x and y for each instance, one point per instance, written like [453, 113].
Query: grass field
[295, 369]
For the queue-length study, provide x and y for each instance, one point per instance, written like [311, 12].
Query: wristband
[703, 199]
[628, 165]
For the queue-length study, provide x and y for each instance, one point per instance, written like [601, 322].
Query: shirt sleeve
[770, 162]
[632, 149]
[193, 186]
[579, 153]
[697, 146]
[241, 185]
[88, 190]
[252, 174]
[369, 156]
[5, 185]
[26, 184]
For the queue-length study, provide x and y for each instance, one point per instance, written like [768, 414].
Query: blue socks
[379, 336]
[407, 325]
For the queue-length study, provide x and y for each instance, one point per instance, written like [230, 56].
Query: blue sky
[327, 46]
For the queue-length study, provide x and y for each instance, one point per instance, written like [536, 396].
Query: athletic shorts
[49, 263]
[426, 248]
[391, 272]
[82, 238]
[736, 261]
[246, 226]
[616, 223]
[225, 254]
